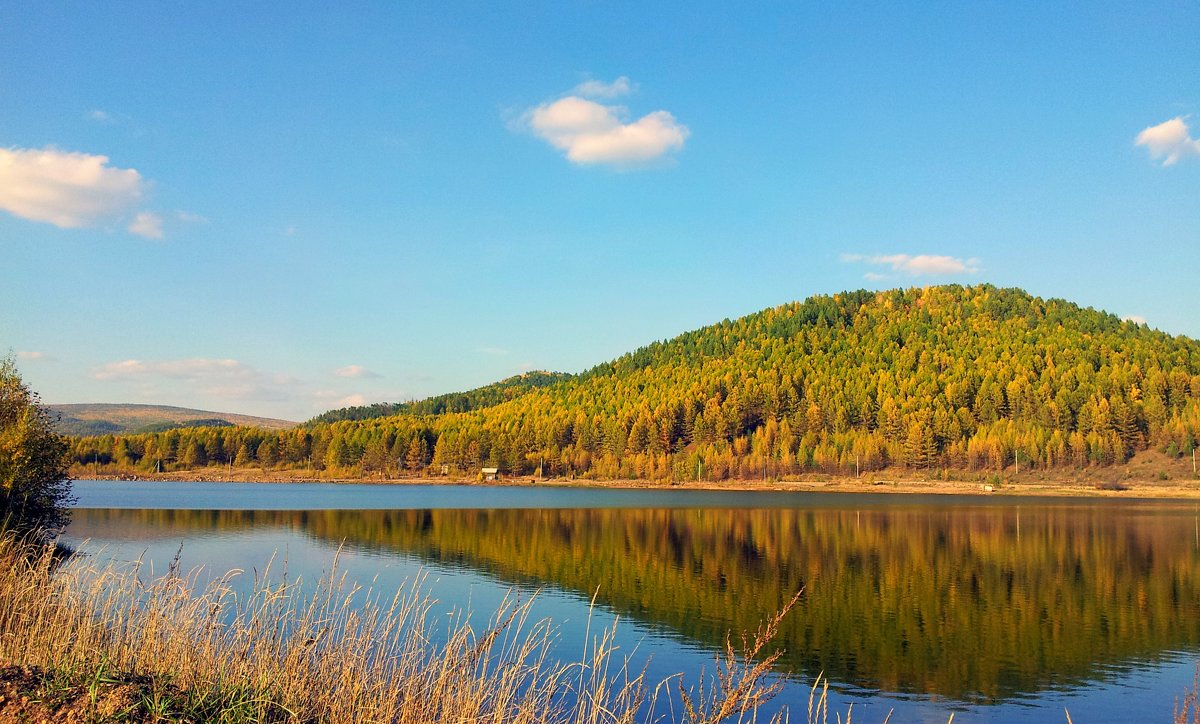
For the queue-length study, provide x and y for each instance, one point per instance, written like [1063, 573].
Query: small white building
[491, 473]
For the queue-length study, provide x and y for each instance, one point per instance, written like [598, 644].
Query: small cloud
[929, 264]
[25, 354]
[594, 133]
[147, 224]
[352, 401]
[494, 351]
[64, 188]
[356, 371]
[919, 265]
[599, 89]
[188, 217]
[289, 230]
[107, 118]
[1135, 318]
[874, 276]
[1170, 141]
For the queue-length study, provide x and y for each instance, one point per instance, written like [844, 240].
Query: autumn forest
[950, 378]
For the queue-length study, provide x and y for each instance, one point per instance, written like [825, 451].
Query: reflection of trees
[965, 603]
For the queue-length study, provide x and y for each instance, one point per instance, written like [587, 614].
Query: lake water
[994, 609]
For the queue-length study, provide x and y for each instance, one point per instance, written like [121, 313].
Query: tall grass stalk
[334, 652]
[1187, 711]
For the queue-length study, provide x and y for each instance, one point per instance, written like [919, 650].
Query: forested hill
[975, 378]
[476, 399]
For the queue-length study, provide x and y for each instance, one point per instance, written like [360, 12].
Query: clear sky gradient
[280, 209]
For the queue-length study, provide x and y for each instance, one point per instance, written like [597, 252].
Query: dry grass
[333, 652]
[1187, 711]
[741, 683]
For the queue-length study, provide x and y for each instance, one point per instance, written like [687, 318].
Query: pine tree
[417, 455]
[919, 448]
[268, 453]
[244, 456]
[193, 455]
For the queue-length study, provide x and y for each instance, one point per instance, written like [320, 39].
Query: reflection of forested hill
[966, 603]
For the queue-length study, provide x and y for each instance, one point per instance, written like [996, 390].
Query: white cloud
[188, 217]
[210, 383]
[147, 224]
[1170, 141]
[356, 371]
[874, 276]
[334, 399]
[599, 89]
[23, 354]
[108, 118]
[494, 351]
[1135, 318]
[919, 265]
[152, 225]
[65, 188]
[220, 378]
[594, 133]
[928, 264]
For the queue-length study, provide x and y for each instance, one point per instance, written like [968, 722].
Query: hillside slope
[973, 378]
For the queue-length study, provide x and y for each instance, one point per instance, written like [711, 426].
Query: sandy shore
[1096, 485]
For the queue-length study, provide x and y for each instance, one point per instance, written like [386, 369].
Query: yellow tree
[35, 489]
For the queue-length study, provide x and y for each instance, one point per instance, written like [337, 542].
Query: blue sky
[281, 209]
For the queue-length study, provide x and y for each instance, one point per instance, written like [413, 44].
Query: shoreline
[899, 484]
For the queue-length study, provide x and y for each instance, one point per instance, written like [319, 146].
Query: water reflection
[981, 603]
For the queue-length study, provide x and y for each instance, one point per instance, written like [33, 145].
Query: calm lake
[994, 609]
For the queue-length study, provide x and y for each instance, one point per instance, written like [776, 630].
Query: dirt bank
[29, 694]
[1108, 483]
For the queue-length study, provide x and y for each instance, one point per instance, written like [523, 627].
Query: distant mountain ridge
[121, 418]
